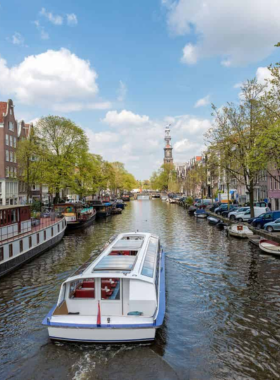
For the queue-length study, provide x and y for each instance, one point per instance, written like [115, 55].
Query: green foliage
[164, 179]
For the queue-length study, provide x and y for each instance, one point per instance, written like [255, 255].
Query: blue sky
[123, 69]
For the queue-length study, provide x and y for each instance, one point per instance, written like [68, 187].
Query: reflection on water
[223, 307]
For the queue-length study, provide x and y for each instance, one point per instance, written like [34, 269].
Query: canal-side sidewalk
[274, 236]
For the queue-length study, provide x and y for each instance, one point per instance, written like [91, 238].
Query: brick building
[8, 160]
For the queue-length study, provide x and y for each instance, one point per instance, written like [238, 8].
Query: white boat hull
[201, 216]
[100, 335]
[269, 248]
[243, 234]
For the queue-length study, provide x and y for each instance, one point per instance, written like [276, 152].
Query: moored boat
[103, 209]
[240, 231]
[120, 204]
[269, 246]
[22, 237]
[119, 297]
[212, 220]
[200, 213]
[77, 215]
[126, 197]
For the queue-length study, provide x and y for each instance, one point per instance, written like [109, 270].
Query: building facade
[273, 184]
[8, 160]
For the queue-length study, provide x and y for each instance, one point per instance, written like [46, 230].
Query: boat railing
[36, 224]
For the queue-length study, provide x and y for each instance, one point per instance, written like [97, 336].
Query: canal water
[222, 318]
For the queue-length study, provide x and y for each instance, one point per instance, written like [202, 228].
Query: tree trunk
[228, 194]
[251, 197]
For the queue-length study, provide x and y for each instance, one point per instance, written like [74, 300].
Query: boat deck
[43, 223]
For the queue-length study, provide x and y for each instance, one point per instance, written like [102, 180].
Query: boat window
[52, 231]
[10, 250]
[20, 245]
[30, 241]
[150, 259]
[45, 235]
[38, 238]
[110, 289]
[1, 254]
[58, 228]
[82, 288]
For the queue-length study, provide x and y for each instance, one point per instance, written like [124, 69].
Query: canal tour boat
[119, 297]
[77, 215]
[22, 238]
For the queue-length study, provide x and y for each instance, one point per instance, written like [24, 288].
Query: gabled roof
[3, 109]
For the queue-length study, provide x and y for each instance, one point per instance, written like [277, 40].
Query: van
[245, 216]
[265, 218]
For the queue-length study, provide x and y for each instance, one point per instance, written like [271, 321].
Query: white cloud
[185, 145]
[54, 19]
[113, 118]
[203, 102]
[263, 74]
[141, 139]
[72, 19]
[190, 55]
[43, 34]
[54, 79]
[17, 39]
[239, 32]
[122, 91]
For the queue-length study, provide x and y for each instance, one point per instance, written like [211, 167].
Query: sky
[123, 70]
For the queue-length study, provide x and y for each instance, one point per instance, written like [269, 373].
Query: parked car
[245, 216]
[233, 213]
[267, 217]
[223, 207]
[272, 226]
[226, 213]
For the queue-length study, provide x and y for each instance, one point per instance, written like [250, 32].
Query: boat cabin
[122, 281]
[74, 212]
[14, 220]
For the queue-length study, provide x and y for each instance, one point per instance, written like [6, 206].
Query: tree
[29, 166]
[61, 145]
[234, 135]
[163, 178]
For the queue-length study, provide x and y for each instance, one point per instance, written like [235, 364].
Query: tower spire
[168, 159]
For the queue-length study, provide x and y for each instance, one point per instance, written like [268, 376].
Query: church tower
[168, 159]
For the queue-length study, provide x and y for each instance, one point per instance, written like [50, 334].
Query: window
[7, 171]
[110, 289]
[10, 250]
[20, 245]
[1, 253]
[15, 172]
[11, 156]
[82, 288]
[11, 111]
[15, 142]
[275, 184]
[30, 241]
[7, 156]
[11, 141]
[15, 158]
[38, 238]
[45, 235]
[11, 173]
[7, 139]
[271, 186]
[58, 228]
[11, 126]
[148, 268]
[52, 231]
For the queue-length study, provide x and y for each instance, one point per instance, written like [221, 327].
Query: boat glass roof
[133, 244]
[124, 263]
[150, 259]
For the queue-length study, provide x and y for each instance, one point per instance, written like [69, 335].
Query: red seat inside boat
[119, 253]
[109, 284]
[106, 293]
[84, 293]
[88, 284]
